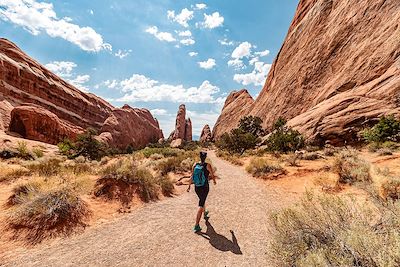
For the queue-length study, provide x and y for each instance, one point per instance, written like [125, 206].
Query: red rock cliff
[337, 71]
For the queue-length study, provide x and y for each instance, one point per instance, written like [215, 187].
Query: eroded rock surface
[183, 126]
[206, 135]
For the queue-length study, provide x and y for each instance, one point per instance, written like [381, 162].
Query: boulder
[37, 123]
[337, 71]
[206, 135]
[129, 126]
[176, 143]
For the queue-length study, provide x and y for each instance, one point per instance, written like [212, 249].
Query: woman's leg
[199, 213]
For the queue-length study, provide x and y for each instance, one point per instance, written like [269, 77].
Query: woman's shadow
[219, 241]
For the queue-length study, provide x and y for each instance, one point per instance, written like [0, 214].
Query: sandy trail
[159, 234]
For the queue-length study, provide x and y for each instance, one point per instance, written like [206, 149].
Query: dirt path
[159, 234]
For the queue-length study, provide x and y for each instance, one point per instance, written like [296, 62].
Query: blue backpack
[199, 178]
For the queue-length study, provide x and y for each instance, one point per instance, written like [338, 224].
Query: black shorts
[202, 193]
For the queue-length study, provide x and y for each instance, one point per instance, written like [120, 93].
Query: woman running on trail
[200, 175]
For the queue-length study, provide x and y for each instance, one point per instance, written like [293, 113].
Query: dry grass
[329, 182]
[351, 168]
[262, 168]
[390, 188]
[293, 159]
[11, 172]
[167, 186]
[48, 214]
[232, 158]
[311, 156]
[332, 231]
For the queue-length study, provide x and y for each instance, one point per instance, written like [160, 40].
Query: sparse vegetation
[38, 152]
[293, 159]
[311, 156]
[234, 159]
[284, 139]
[48, 214]
[332, 231]
[351, 168]
[391, 188]
[262, 168]
[164, 151]
[9, 173]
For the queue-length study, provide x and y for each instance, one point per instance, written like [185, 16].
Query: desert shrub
[123, 180]
[46, 166]
[327, 230]
[48, 214]
[9, 173]
[284, 139]
[232, 158]
[390, 145]
[192, 145]
[169, 165]
[329, 182]
[156, 156]
[311, 156]
[165, 151]
[350, 168]
[86, 145]
[38, 152]
[187, 164]
[250, 124]
[329, 151]
[391, 188]
[237, 141]
[293, 159]
[387, 129]
[22, 192]
[167, 186]
[260, 167]
[23, 151]
[385, 152]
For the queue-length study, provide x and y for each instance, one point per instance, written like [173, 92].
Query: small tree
[87, 145]
[238, 141]
[250, 124]
[387, 129]
[284, 139]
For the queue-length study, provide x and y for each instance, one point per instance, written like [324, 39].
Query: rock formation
[53, 109]
[337, 71]
[206, 135]
[183, 126]
[237, 105]
[128, 126]
[36, 123]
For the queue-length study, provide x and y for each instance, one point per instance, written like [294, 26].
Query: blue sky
[155, 54]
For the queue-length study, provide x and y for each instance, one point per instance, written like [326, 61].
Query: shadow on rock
[219, 241]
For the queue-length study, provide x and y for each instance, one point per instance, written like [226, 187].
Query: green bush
[329, 230]
[38, 152]
[237, 141]
[23, 151]
[284, 139]
[165, 151]
[252, 125]
[387, 129]
[167, 186]
[85, 145]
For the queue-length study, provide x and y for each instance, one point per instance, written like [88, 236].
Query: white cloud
[243, 50]
[185, 33]
[111, 83]
[193, 54]
[262, 53]
[201, 6]
[226, 42]
[37, 17]
[188, 41]
[208, 64]
[158, 111]
[141, 88]
[123, 54]
[199, 119]
[182, 18]
[254, 60]
[213, 21]
[80, 81]
[256, 77]
[61, 68]
[162, 36]
[64, 69]
[91, 12]
[237, 63]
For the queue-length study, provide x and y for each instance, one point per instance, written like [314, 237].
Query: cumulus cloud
[182, 18]
[188, 41]
[208, 64]
[262, 53]
[226, 42]
[141, 88]
[162, 36]
[201, 6]
[37, 17]
[158, 111]
[236, 63]
[193, 54]
[61, 68]
[213, 21]
[186, 33]
[243, 50]
[256, 77]
[65, 69]
[123, 54]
